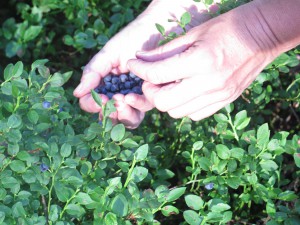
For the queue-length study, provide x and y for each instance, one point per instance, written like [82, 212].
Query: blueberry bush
[61, 166]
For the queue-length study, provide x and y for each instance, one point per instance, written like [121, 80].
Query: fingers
[208, 111]
[88, 104]
[165, 64]
[204, 102]
[126, 114]
[138, 102]
[98, 67]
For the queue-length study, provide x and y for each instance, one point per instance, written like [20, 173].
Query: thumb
[164, 64]
[98, 67]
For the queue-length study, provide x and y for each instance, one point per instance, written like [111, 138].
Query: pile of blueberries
[123, 84]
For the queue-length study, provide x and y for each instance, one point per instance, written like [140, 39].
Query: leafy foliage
[59, 165]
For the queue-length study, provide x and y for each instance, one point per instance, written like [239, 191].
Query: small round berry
[43, 167]
[209, 186]
[114, 88]
[115, 80]
[132, 75]
[108, 86]
[46, 105]
[107, 78]
[137, 90]
[109, 95]
[127, 84]
[123, 77]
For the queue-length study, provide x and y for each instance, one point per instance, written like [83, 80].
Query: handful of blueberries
[123, 84]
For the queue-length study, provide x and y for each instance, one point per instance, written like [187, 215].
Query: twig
[45, 209]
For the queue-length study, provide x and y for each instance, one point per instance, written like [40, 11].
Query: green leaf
[119, 205]
[192, 218]
[241, 120]
[263, 135]
[141, 153]
[169, 210]
[118, 132]
[194, 202]
[198, 145]
[110, 219]
[17, 166]
[223, 151]
[297, 159]
[237, 153]
[96, 98]
[65, 150]
[139, 173]
[287, 196]
[18, 210]
[175, 194]
[8, 74]
[75, 210]
[17, 69]
[37, 63]
[31, 33]
[268, 165]
[14, 121]
[129, 143]
[233, 182]
[13, 149]
[161, 29]
[220, 118]
[83, 198]
[220, 207]
[33, 116]
[185, 19]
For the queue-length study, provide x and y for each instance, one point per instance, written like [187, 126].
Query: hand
[139, 35]
[199, 73]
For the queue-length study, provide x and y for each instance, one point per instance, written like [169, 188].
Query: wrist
[274, 24]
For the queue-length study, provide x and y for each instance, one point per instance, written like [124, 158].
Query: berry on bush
[46, 105]
[123, 84]
[43, 167]
[209, 186]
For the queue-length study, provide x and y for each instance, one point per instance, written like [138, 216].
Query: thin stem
[130, 173]
[67, 203]
[233, 127]
[51, 187]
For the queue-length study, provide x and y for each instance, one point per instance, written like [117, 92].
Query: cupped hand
[140, 35]
[197, 74]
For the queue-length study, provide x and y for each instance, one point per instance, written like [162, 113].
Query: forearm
[280, 21]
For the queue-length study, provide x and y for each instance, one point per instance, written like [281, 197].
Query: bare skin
[215, 61]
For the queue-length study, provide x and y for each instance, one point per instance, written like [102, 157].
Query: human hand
[197, 74]
[139, 35]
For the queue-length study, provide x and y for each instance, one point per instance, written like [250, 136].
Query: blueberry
[115, 80]
[102, 90]
[123, 77]
[46, 105]
[109, 95]
[107, 78]
[137, 90]
[124, 91]
[127, 84]
[132, 75]
[114, 88]
[209, 186]
[108, 86]
[43, 167]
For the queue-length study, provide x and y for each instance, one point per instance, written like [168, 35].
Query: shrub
[60, 165]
